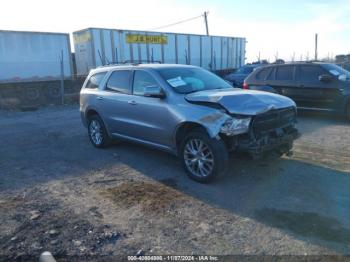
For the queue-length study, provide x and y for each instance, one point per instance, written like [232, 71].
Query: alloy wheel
[198, 157]
[96, 132]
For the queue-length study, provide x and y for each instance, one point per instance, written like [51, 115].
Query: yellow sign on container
[82, 38]
[146, 39]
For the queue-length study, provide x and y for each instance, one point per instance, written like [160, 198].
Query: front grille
[273, 121]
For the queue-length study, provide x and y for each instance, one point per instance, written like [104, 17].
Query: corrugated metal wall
[95, 47]
[33, 56]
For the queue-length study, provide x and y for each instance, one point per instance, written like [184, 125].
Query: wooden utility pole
[316, 46]
[206, 22]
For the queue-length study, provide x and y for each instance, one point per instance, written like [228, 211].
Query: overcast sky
[270, 26]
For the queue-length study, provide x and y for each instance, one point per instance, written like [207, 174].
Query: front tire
[97, 132]
[203, 158]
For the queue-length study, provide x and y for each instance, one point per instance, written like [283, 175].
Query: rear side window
[309, 72]
[95, 80]
[271, 75]
[285, 73]
[263, 73]
[142, 79]
[119, 81]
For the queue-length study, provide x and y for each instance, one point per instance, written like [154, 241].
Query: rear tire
[97, 132]
[203, 158]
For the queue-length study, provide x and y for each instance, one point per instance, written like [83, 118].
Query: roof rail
[299, 62]
[131, 62]
[137, 62]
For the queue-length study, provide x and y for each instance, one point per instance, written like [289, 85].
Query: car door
[150, 117]
[114, 102]
[314, 93]
[284, 81]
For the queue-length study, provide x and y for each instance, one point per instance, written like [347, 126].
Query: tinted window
[271, 75]
[263, 74]
[141, 80]
[309, 72]
[95, 80]
[120, 81]
[284, 73]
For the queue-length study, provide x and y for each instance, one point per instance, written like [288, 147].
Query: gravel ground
[58, 193]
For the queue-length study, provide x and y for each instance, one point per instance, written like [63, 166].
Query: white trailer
[96, 46]
[34, 56]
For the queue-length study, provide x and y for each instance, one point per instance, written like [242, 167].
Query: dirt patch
[151, 197]
[12, 203]
[336, 159]
[49, 226]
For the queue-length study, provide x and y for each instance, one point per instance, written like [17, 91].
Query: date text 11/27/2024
[173, 258]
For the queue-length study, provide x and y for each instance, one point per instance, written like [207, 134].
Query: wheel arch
[91, 112]
[183, 129]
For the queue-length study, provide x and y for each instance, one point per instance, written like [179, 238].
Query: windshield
[245, 70]
[338, 72]
[186, 80]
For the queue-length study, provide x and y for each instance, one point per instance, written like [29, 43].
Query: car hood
[242, 102]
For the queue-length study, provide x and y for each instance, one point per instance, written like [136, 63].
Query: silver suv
[187, 111]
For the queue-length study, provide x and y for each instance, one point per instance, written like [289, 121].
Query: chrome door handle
[132, 102]
[100, 98]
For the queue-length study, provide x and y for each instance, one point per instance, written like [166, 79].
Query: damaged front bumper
[268, 144]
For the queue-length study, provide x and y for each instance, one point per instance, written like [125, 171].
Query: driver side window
[310, 73]
[142, 79]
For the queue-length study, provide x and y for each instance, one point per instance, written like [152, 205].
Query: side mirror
[153, 91]
[325, 78]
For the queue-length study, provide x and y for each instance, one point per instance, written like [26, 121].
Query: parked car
[187, 111]
[237, 78]
[313, 86]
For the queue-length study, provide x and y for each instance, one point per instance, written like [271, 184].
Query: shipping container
[96, 47]
[34, 56]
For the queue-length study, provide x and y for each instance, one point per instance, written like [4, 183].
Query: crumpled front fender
[213, 122]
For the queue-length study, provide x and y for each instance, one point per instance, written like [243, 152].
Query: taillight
[245, 85]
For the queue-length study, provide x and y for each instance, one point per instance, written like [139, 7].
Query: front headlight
[235, 126]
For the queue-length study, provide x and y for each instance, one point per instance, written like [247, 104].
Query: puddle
[306, 224]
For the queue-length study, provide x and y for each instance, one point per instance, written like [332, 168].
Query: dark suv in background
[237, 78]
[313, 86]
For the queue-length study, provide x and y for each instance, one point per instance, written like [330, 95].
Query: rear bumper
[267, 144]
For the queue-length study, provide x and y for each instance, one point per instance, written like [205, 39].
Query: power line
[183, 21]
